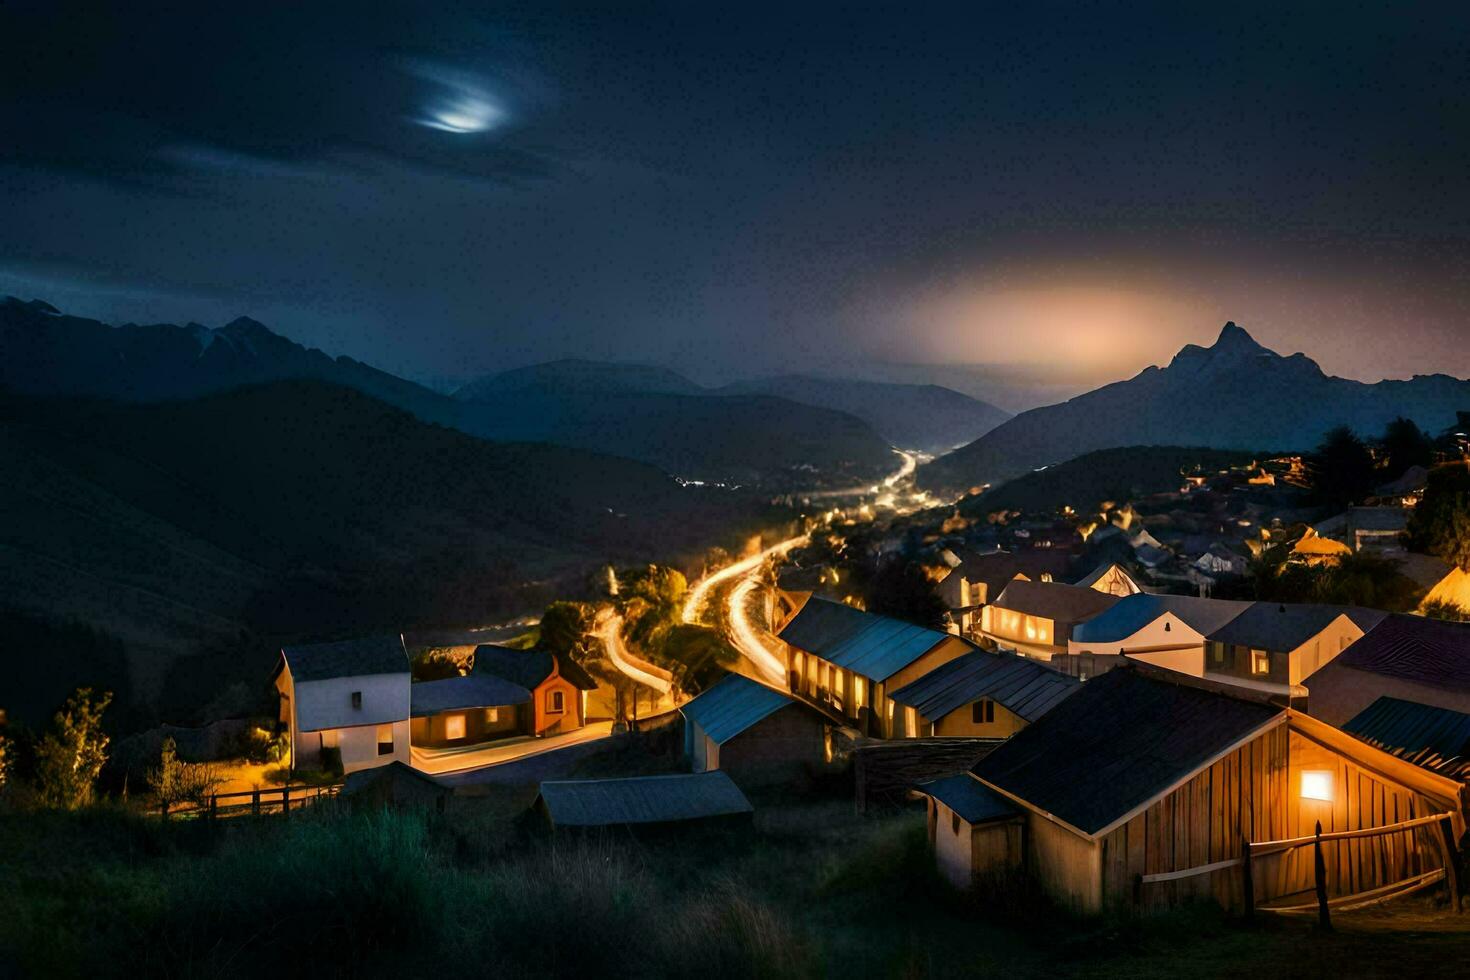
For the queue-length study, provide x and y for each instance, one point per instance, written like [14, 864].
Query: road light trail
[699, 595]
[746, 636]
[905, 470]
[610, 632]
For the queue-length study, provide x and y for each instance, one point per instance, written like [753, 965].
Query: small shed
[642, 801]
[972, 828]
[396, 786]
[755, 733]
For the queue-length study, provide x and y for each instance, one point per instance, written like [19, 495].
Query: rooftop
[1286, 626]
[1133, 613]
[1026, 687]
[974, 801]
[1437, 739]
[473, 691]
[1414, 648]
[868, 644]
[528, 668]
[1056, 601]
[732, 706]
[346, 658]
[642, 799]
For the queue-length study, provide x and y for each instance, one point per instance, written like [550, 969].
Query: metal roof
[732, 706]
[1283, 627]
[873, 646]
[1436, 738]
[1026, 687]
[971, 799]
[346, 658]
[1118, 743]
[1426, 651]
[455, 693]
[528, 668]
[1057, 601]
[1134, 612]
[642, 799]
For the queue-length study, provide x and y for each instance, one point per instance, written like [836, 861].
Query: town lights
[1317, 785]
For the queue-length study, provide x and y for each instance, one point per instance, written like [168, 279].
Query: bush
[70, 757]
[332, 759]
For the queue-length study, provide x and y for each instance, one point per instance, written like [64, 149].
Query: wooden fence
[280, 800]
[884, 770]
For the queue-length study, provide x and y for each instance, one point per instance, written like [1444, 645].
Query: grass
[810, 890]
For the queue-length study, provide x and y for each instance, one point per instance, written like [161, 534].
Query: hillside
[573, 374]
[1107, 474]
[929, 418]
[1233, 395]
[214, 528]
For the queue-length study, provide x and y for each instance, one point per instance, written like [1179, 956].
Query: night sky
[445, 189]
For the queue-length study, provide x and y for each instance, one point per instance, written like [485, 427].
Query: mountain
[642, 413]
[197, 534]
[1235, 394]
[660, 417]
[929, 418]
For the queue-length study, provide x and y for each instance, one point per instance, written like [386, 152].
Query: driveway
[451, 763]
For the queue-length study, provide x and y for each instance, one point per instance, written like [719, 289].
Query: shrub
[70, 756]
[332, 759]
[174, 781]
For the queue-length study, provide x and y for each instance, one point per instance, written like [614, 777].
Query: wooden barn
[642, 802]
[984, 694]
[755, 733]
[1148, 789]
[972, 826]
[395, 786]
[846, 662]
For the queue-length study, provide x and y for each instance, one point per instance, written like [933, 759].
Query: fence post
[1451, 861]
[163, 808]
[255, 801]
[285, 801]
[213, 806]
[1248, 884]
[1319, 867]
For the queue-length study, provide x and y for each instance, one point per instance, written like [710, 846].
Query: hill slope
[219, 526]
[1233, 395]
[929, 418]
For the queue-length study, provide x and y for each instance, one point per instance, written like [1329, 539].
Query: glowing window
[1317, 785]
[330, 739]
[385, 739]
[492, 715]
[1260, 662]
[858, 691]
[454, 726]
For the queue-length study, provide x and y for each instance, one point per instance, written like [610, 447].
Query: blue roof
[1135, 612]
[1026, 687]
[455, 693]
[971, 799]
[873, 646]
[732, 706]
[642, 799]
[1285, 626]
[1435, 738]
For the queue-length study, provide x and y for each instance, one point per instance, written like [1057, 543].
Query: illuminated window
[385, 740]
[492, 715]
[858, 691]
[910, 723]
[1317, 785]
[1260, 662]
[331, 739]
[454, 726]
[555, 703]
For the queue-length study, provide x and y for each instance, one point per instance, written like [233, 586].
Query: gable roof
[732, 706]
[1026, 687]
[1436, 738]
[1056, 601]
[397, 781]
[1118, 743]
[642, 799]
[865, 643]
[472, 691]
[1286, 626]
[346, 658]
[974, 801]
[527, 668]
[1095, 576]
[997, 568]
[1133, 613]
[1414, 648]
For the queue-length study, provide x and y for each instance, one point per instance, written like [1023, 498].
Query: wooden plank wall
[1208, 819]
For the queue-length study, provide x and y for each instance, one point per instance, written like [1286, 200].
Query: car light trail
[699, 595]
[610, 632]
[747, 636]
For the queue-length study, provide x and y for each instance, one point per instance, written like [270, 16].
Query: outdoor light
[1317, 785]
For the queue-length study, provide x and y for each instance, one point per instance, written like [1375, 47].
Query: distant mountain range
[1235, 394]
[202, 532]
[924, 417]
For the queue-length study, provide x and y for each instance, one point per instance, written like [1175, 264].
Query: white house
[1164, 630]
[352, 696]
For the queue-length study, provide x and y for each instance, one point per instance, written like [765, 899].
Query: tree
[565, 627]
[174, 781]
[69, 758]
[1440, 525]
[1447, 609]
[1342, 469]
[901, 589]
[1406, 445]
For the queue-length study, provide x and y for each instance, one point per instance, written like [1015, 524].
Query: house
[558, 686]
[1407, 490]
[755, 733]
[846, 662]
[467, 710]
[350, 697]
[1112, 579]
[1411, 658]
[1275, 647]
[984, 695]
[1437, 739]
[1037, 618]
[1142, 790]
[971, 826]
[1163, 630]
[1443, 584]
[396, 786]
[1367, 528]
[1314, 548]
[980, 577]
[642, 801]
